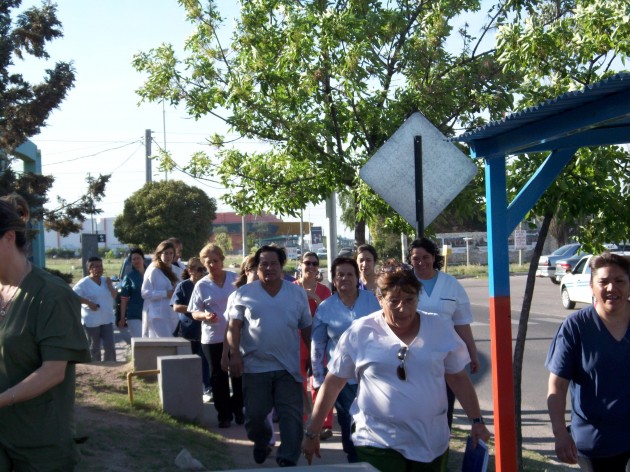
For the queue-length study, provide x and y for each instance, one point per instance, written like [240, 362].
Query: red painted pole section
[503, 384]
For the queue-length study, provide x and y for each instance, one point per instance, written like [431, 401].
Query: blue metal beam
[594, 114]
[536, 186]
[607, 136]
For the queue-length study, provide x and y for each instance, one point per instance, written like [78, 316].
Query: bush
[62, 275]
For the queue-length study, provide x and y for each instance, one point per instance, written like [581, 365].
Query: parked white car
[575, 286]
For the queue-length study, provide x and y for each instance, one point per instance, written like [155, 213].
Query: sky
[100, 126]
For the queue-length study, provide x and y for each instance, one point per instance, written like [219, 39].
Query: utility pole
[147, 153]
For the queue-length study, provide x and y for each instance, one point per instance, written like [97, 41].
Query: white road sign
[445, 170]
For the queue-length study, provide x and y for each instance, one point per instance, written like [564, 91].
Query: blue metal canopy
[595, 116]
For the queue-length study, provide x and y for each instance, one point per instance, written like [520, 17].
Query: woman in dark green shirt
[41, 338]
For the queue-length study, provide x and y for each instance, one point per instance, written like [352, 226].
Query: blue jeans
[342, 405]
[261, 393]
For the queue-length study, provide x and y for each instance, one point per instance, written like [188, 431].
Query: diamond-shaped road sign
[445, 170]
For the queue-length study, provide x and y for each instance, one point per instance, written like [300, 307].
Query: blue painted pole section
[537, 185]
[498, 255]
[32, 159]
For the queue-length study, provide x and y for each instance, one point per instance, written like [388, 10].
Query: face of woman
[252, 275]
[365, 259]
[196, 271]
[137, 261]
[345, 279]
[96, 270]
[422, 262]
[213, 263]
[167, 256]
[399, 307]
[611, 287]
[310, 266]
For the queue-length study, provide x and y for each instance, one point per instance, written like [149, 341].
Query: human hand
[225, 361]
[566, 449]
[479, 431]
[310, 448]
[211, 316]
[474, 365]
[236, 365]
[122, 322]
[93, 306]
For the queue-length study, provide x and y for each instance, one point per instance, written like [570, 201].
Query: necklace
[6, 306]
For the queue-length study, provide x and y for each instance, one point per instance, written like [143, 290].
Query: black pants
[225, 405]
[618, 463]
[451, 406]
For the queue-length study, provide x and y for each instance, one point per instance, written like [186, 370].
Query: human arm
[234, 343]
[110, 287]
[464, 390]
[326, 397]
[124, 301]
[89, 303]
[225, 353]
[557, 388]
[50, 373]
[319, 342]
[151, 289]
[465, 332]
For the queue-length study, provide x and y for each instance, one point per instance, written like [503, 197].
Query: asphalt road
[545, 317]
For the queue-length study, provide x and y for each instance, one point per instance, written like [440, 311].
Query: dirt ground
[114, 440]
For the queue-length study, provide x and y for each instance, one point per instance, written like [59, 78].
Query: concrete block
[145, 351]
[180, 386]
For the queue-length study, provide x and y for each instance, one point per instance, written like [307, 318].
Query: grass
[138, 437]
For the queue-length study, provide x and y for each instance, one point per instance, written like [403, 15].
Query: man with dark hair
[264, 318]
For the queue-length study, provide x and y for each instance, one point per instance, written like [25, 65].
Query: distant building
[102, 226]
[265, 228]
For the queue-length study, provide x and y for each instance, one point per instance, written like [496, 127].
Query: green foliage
[66, 277]
[160, 210]
[323, 85]
[25, 107]
[223, 240]
[558, 46]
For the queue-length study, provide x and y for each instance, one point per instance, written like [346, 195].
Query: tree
[323, 84]
[222, 239]
[557, 46]
[160, 210]
[25, 107]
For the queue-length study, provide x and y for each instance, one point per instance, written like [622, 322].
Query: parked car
[322, 253]
[564, 266]
[125, 268]
[547, 264]
[575, 286]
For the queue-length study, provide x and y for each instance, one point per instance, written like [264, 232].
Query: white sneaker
[207, 397]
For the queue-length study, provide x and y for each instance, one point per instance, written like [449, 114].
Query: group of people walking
[383, 347]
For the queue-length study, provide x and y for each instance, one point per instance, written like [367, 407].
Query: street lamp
[467, 252]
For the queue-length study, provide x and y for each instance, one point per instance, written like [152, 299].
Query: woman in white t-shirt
[399, 355]
[208, 304]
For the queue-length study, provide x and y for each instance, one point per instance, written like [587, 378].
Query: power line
[91, 155]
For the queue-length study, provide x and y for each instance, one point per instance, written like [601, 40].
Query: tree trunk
[359, 233]
[519, 347]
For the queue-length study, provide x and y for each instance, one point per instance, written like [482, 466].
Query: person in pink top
[316, 294]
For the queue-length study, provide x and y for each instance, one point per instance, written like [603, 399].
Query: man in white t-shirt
[265, 317]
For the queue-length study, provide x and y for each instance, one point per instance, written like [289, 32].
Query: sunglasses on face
[310, 263]
[400, 370]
